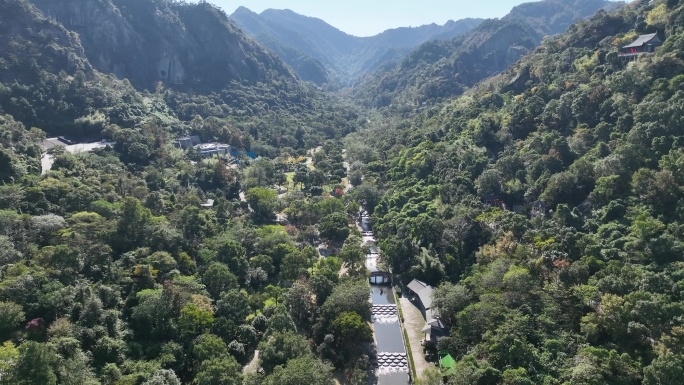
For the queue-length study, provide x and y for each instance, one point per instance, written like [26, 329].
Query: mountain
[442, 69]
[91, 68]
[321, 53]
[23, 38]
[147, 41]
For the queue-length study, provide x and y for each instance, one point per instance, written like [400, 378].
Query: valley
[192, 197]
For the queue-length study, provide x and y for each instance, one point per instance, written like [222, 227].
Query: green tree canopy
[263, 202]
[279, 348]
[303, 370]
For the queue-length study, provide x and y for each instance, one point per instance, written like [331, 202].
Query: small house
[208, 150]
[422, 293]
[423, 298]
[644, 44]
[187, 142]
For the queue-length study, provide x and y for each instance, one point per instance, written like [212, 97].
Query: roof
[213, 146]
[447, 365]
[645, 39]
[424, 292]
[417, 285]
[432, 319]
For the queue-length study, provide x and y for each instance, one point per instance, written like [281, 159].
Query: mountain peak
[243, 10]
[303, 40]
[187, 45]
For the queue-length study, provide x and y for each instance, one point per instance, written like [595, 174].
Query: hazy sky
[369, 17]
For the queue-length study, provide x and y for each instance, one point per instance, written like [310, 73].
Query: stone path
[413, 322]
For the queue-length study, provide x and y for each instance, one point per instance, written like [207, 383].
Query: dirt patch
[253, 365]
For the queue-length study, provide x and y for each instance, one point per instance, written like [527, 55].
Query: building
[422, 292]
[208, 150]
[644, 44]
[538, 209]
[187, 142]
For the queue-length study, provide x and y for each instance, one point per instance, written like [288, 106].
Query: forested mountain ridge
[323, 54]
[545, 204]
[48, 81]
[30, 34]
[147, 41]
[438, 70]
[554, 17]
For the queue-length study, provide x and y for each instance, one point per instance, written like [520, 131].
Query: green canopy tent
[447, 364]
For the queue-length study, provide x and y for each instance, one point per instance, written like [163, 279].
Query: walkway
[413, 322]
[253, 365]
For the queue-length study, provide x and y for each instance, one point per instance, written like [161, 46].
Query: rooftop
[642, 40]
[447, 364]
[424, 292]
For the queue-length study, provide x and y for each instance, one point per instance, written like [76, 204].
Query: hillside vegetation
[140, 263]
[439, 70]
[546, 204]
[48, 79]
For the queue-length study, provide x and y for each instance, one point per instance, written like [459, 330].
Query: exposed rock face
[101, 27]
[170, 69]
[505, 46]
[147, 41]
[515, 53]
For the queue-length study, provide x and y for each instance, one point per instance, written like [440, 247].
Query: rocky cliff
[189, 46]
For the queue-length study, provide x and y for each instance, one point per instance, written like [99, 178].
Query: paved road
[47, 160]
[413, 322]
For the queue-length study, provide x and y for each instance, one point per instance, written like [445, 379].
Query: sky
[370, 17]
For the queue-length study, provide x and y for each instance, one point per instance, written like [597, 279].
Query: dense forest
[543, 204]
[442, 69]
